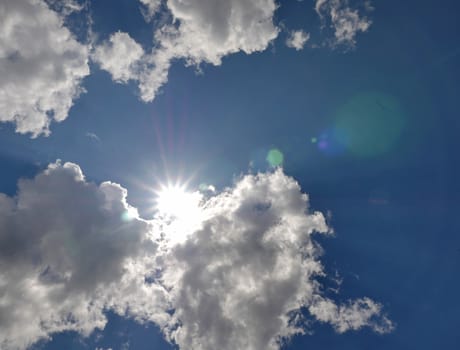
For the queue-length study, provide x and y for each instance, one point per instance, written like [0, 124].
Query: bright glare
[175, 201]
[181, 208]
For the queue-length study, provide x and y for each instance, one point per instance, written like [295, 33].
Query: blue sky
[363, 112]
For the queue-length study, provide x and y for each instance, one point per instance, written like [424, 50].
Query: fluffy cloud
[240, 281]
[201, 31]
[297, 39]
[345, 21]
[71, 249]
[41, 65]
[120, 56]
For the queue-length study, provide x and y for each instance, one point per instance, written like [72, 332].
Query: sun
[176, 201]
[180, 210]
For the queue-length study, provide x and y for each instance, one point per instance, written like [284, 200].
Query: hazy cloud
[41, 66]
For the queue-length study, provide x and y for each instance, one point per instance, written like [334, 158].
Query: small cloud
[65, 7]
[352, 315]
[204, 187]
[368, 6]
[297, 39]
[93, 136]
[150, 8]
[344, 20]
[121, 56]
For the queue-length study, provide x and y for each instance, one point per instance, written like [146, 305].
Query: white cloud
[205, 31]
[151, 7]
[70, 249]
[297, 39]
[93, 136]
[120, 56]
[41, 66]
[352, 316]
[65, 7]
[240, 281]
[202, 31]
[237, 281]
[345, 21]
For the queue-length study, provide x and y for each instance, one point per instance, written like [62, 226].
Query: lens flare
[370, 124]
[329, 143]
[275, 157]
[129, 214]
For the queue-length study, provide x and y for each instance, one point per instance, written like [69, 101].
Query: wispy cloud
[151, 7]
[344, 20]
[93, 136]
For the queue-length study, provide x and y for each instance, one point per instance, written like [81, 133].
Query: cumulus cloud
[201, 32]
[297, 39]
[120, 56]
[240, 281]
[71, 249]
[41, 66]
[345, 21]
